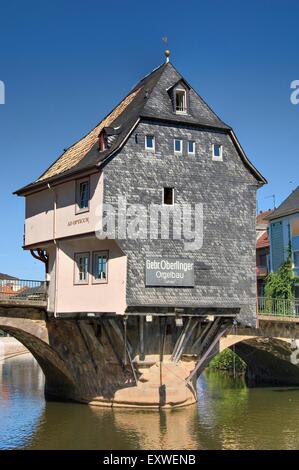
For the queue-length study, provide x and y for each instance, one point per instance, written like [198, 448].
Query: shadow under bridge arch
[34, 336]
[268, 359]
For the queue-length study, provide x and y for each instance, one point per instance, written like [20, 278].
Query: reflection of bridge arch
[34, 336]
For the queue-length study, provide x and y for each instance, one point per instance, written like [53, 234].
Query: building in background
[284, 232]
[262, 251]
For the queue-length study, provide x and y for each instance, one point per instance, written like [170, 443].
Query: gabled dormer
[179, 95]
[107, 137]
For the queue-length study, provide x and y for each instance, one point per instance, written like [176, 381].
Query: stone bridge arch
[33, 334]
[268, 358]
[231, 340]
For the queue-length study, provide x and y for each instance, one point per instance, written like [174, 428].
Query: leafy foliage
[227, 360]
[280, 284]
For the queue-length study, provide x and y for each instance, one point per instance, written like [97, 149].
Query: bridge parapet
[277, 309]
[23, 292]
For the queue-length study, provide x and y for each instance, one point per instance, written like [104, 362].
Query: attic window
[150, 142]
[217, 152]
[180, 102]
[178, 146]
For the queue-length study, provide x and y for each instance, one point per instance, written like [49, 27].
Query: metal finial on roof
[167, 52]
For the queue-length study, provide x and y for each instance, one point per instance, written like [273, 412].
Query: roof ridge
[138, 84]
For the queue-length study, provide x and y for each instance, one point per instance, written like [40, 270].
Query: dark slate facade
[225, 265]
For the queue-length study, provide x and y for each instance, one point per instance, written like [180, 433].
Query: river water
[227, 416]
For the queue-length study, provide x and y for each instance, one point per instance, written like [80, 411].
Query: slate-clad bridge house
[136, 319]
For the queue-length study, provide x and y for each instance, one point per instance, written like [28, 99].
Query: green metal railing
[278, 307]
[18, 291]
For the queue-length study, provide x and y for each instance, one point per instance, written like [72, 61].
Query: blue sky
[65, 64]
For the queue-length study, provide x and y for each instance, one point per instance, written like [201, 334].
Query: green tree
[280, 284]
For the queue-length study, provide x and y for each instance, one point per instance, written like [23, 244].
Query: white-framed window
[178, 146]
[296, 259]
[150, 142]
[180, 101]
[82, 195]
[168, 196]
[81, 268]
[191, 147]
[217, 152]
[100, 267]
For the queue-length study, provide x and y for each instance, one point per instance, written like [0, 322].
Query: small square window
[178, 146]
[191, 147]
[83, 195]
[217, 152]
[168, 196]
[81, 268]
[100, 267]
[150, 142]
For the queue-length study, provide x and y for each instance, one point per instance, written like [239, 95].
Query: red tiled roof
[6, 276]
[263, 241]
[260, 218]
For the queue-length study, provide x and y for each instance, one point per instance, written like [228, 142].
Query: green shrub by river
[227, 360]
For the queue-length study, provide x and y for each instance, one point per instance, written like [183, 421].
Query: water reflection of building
[21, 400]
[167, 431]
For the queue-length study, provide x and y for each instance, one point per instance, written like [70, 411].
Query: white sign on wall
[169, 272]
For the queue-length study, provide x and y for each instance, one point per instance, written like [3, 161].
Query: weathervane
[167, 52]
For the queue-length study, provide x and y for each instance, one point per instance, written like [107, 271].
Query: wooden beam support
[180, 339]
[187, 337]
[201, 363]
[141, 338]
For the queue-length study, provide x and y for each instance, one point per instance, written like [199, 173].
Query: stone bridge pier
[129, 362]
[117, 361]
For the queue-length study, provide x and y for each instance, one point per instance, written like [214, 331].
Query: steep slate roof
[148, 99]
[289, 206]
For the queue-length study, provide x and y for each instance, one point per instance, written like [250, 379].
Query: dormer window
[179, 95]
[180, 102]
